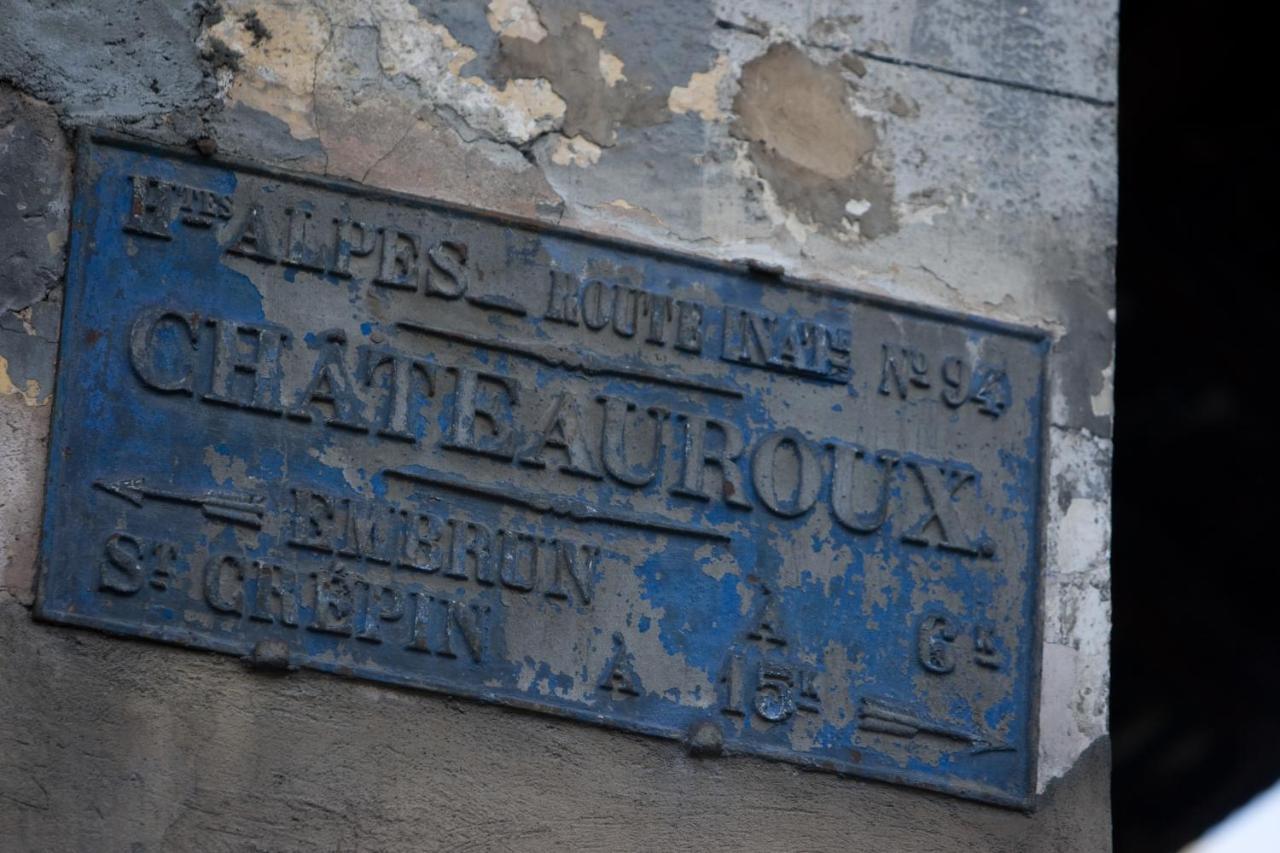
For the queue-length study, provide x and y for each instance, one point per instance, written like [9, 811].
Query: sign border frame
[89, 138]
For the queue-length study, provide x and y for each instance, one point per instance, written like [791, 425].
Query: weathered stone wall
[959, 153]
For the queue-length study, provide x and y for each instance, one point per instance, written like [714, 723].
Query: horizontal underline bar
[564, 507]
[564, 358]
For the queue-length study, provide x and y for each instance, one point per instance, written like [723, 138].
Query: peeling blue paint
[801, 636]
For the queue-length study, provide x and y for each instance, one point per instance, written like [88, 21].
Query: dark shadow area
[1196, 653]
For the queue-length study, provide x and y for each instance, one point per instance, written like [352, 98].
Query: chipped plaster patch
[1084, 532]
[855, 207]
[701, 93]
[516, 19]
[23, 316]
[610, 69]
[634, 212]
[276, 74]
[1077, 601]
[811, 142]
[377, 130]
[534, 98]
[1102, 403]
[599, 97]
[29, 391]
[575, 151]
[923, 215]
[432, 58]
[781, 250]
[801, 110]
[281, 75]
[609, 64]
[24, 432]
[592, 23]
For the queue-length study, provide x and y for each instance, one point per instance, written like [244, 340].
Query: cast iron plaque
[365, 433]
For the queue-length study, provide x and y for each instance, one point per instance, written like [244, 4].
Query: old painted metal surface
[320, 426]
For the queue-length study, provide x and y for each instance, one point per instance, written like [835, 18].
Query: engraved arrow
[877, 715]
[557, 505]
[226, 506]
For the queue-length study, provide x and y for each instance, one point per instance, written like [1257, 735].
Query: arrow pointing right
[883, 717]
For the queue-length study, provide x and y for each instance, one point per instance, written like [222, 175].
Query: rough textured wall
[959, 154]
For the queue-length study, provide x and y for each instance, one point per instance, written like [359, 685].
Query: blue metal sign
[322, 426]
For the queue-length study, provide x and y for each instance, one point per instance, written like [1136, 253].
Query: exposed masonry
[973, 187]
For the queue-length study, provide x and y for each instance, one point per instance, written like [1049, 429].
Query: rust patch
[807, 142]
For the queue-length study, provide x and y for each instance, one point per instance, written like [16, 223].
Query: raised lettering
[423, 550]
[331, 385]
[697, 456]
[276, 594]
[407, 382]
[371, 532]
[438, 624]
[122, 571]
[353, 240]
[689, 326]
[381, 604]
[334, 603]
[253, 239]
[843, 488]
[562, 428]
[169, 369]
[515, 550]
[620, 673]
[597, 304]
[775, 700]
[581, 571]
[398, 267]
[472, 554]
[261, 365]
[297, 252]
[215, 584]
[657, 308]
[150, 209]
[312, 523]
[468, 623]
[563, 305]
[956, 376]
[807, 477]
[933, 644]
[939, 485]
[766, 620]
[614, 442]
[469, 407]
[447, 275]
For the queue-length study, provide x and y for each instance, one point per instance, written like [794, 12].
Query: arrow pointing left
[233, 507]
